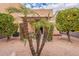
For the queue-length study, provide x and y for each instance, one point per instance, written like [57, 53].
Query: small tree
[24, 33]
[7, 28]
[40, 35]
[24, 26]
[68, 20]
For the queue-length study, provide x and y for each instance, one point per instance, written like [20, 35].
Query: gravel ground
[57, 47]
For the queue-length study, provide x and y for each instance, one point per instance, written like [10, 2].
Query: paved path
[74, 34]
[57, 47]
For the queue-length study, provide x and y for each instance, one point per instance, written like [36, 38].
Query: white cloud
[64, 5]
[54, 6]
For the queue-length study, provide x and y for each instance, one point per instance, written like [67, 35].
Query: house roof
[41, 12]
[4, 6]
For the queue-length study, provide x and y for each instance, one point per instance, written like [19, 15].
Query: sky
[53, 6]
[38, 5]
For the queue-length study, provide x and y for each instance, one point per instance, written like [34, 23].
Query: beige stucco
[18, 16]
[4, 6]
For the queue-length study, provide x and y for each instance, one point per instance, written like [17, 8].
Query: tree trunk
[27, 35]
[43, 42]
[31, 47]
[68, 34]
[25, 43]
[22, 34]
[38, 36]
[8, 38]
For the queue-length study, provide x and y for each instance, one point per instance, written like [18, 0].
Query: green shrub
[7, 27]
[68, 20]
[43, 23]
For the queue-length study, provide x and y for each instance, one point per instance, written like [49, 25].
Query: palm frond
[33, 12]
[12, 10]
[23, 9]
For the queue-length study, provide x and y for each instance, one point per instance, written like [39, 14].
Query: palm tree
[41, 38]
[23, 10]
[37, 25]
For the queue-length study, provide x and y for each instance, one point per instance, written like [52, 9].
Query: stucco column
[55, 32]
